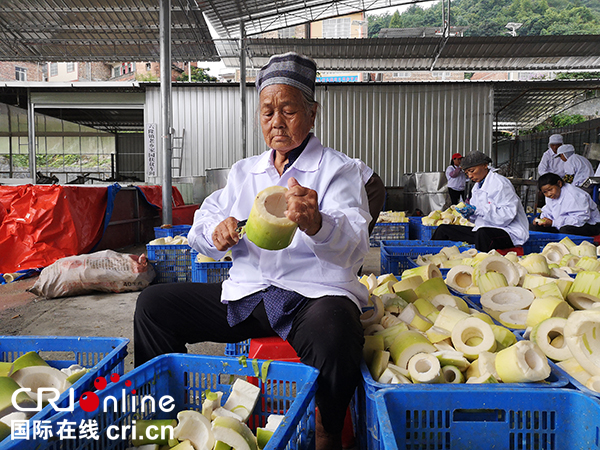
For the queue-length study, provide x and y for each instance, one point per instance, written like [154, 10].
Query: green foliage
[557, 121]
[395, 22]
[489, 17]
[578, 76]
[146, 77]
[198, 74]
[377, 22]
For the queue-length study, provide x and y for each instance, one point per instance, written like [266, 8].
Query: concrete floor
[103, 315]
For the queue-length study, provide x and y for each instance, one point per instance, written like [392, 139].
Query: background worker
[550, 161]
[577, 168]
[307, 293]
[456, 180]
[568, 210]
[494, 207]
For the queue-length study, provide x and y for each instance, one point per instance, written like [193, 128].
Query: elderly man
[550, 162]
[307, 293]
[495, 208]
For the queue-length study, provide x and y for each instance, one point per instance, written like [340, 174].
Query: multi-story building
[21, 71]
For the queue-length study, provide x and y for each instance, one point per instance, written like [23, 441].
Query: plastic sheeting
[41, 224]
[153, 195]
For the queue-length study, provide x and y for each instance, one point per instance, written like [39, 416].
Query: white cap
[555, 139]
[565, 149]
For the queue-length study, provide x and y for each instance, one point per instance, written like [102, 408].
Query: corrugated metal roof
[260, 16]
[490, 53]
[100, 30]
[528, 103]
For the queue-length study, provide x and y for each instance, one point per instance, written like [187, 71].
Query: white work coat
[551, 163]
[458, 182]
[498, 206]
[580, 167]
[574, 207]
[313, 266]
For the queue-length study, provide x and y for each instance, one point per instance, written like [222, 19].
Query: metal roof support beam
[165, 107]
[244, 117]
[31, 137]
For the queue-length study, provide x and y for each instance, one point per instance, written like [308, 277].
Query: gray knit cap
[289, 68]
[474, 158]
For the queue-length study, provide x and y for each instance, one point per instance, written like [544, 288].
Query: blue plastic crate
[172, 263]
[365, 411]
[175, 230]
[210, 272]
[388, 231]
[538, 240]
[101, 355]
[426, 243]
[507, 419]
[417, 230]
[288, 389]
[397, 259]
[238, 349]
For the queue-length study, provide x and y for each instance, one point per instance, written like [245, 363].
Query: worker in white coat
[494, 207]
[568, 209]
[550, 161]
[577, 168]
[456, 180]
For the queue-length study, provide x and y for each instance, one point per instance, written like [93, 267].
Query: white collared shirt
[551, 163]
[324, 264]
[498, 206]
[580, 167]
[574, 207]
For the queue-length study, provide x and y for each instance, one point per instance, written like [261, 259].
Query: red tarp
[153, 195]
[44, 223]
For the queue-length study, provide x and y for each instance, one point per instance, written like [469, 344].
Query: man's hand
[226, 235]
[303, 207]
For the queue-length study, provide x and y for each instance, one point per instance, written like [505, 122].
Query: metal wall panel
[394, 128]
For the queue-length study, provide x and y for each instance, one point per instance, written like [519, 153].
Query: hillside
[489, 17]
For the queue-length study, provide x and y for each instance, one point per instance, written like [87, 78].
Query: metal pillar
[165, 106]
[244, 118]
[31, 137]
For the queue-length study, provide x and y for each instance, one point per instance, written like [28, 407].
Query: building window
[401, 75]
[116, 71]
[289, 32]
[70, 67]
[20, 74]
[131, 67]
[53, 69]
[337, 28]
[148, 67]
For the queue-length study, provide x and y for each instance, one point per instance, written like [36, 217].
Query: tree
[377, 22]
[395, 22]
[489, 17]
[198, 74]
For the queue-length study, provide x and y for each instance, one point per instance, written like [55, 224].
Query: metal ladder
[177, 154]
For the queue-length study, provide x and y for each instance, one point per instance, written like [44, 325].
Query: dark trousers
[584, 230]
[376, 194]
[455, 196]
[326, 334]
[485, 238]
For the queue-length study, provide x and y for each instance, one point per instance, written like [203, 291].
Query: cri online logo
[90, 402]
